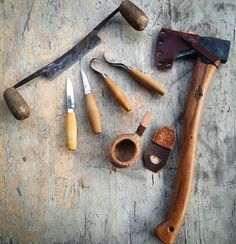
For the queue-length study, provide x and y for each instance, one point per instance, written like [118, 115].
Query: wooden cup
[126, 148]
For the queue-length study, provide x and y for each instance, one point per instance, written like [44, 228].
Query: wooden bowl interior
[125, 150]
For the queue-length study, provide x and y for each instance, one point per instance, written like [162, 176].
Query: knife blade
[91, 105]
[87, 88]
[71, 126]
[70, 95]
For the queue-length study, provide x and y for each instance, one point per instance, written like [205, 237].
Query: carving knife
[91, 105]
[71, 127]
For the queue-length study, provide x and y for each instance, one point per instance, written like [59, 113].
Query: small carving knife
[91, 105]
[71, 127]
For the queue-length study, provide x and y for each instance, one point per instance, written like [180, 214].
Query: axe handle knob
[168, 230]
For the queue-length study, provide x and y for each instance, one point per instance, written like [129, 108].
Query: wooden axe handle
[168, 230]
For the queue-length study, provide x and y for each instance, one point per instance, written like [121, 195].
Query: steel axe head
[175, 44]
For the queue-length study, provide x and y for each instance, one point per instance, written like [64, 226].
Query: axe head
[175, 44]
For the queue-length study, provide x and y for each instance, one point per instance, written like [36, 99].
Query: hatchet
[210, 52]
[15, 102]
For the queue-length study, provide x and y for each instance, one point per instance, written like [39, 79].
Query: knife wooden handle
[146, 81]
[202, 75]
[93, 113]
[117, 92]
[71, 131]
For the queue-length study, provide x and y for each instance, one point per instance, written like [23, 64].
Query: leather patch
[160, 148]
[165, 137]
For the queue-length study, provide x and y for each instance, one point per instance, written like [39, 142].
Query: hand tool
[159, 149]
[125, 149]
[139, 76]
[115, 90]
[16, 104]
[91, 105]
[71, 127]
[210, 52]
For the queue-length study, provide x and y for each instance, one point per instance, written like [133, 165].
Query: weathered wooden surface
[50, 195]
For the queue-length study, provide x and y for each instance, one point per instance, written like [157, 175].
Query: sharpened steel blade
[70, 100]
[77, 52]
[55, 68]
[87, 88]
[219, 47]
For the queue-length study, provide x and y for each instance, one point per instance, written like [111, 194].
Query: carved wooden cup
[125, 149]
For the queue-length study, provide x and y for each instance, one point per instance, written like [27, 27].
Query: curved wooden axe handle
[202, 75]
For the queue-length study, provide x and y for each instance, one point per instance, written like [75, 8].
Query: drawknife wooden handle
[202, 75]
[71, 131]
[117, 92]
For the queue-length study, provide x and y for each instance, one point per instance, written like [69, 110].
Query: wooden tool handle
[144, 123]
[16, 104]
[146, 81]
[71, 131]
[117, 92]
[93, 113]
[133, 15]
[202, 75]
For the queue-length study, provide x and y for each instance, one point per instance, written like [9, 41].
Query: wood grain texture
[147, 81]
[202, 77]
[126, 148]
[16, 104]
[117, 93]
[71, 131]
[47, 194]
[93, 113]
